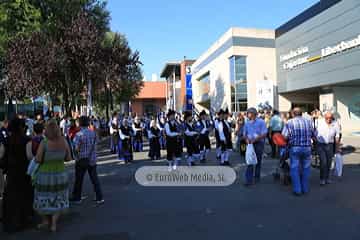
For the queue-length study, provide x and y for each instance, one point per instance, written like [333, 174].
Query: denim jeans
[79, 178]
[249, 175]
[326, 154]
[300, 165]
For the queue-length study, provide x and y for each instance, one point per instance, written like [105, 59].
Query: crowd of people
[39, 199]
[304, 135]
[52, 142]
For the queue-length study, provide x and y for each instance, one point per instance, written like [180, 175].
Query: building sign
[344, 45]
[189, 101]
[293, 62]
[294, 53]
[264, 93]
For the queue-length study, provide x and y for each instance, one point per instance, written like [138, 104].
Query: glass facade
[238, 80]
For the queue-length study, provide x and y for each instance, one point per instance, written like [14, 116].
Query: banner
[264, 93]
[188, 98]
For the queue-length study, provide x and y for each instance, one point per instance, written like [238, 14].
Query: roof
[153, 90]
[169, 68]
[309, 13]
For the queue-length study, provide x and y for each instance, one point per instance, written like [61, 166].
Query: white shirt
[65, 125]
[190, 133]
[169, 132]
[203, 131]
[220, 128]
[326, 133]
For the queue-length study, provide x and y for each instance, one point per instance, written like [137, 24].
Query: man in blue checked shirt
[85, 146]
[299, 132]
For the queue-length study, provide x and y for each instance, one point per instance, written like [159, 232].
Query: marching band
[173, 133]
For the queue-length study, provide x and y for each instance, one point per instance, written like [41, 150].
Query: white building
[235, 71]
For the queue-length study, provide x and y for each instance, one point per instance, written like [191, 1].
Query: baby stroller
[282, 171]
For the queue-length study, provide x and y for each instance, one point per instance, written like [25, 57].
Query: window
[204, 85]
[238, 78]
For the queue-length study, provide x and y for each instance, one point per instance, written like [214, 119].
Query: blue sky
[165, 30]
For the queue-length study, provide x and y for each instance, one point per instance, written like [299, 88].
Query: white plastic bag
[338, 165]
[250, 155]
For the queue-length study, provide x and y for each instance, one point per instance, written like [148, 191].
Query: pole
[166, 94]
[174, 88]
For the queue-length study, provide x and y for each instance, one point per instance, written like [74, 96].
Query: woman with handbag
[51, 183]
[18, 192]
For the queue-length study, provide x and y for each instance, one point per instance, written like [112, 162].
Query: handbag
[34, 166]
[33, 169]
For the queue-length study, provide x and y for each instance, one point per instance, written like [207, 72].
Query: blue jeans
[300, 165]
[249, 175]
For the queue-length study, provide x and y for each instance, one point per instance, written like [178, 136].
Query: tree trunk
[66, 95]
[107, 93]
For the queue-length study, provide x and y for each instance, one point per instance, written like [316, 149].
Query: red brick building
[151, 99]
[175, 75]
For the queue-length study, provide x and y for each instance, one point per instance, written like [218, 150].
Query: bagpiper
[126, 134]
[191, 139]
[154, 139]
[204, 127]
[114, 133]
[226, 131]
[161, 125]
[138, 129]
[217, 120]
[173, 148]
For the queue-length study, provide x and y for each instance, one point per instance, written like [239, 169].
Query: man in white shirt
[328, 134]
[138, 128]
[191, 139]
[204, 127]
[65, 126]
[173, 149]
[217, 121]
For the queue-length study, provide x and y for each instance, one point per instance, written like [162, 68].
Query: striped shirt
[299, 132]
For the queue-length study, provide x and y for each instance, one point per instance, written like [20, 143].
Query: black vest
[173, 127]
[155, 131]
[202, 126]
[189, 127]
[226, 130]
[126, 131]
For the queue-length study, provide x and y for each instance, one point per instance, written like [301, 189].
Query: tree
[17, 17]
[39, 64]
[56, 14]
[118, 74]
[68, 50]
[30, 64]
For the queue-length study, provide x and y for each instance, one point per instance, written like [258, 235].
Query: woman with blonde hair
[239, 132]
[51, 184]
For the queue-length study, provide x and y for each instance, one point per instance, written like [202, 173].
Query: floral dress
[52, 184]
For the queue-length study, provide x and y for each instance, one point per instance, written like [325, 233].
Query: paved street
[264, 211]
